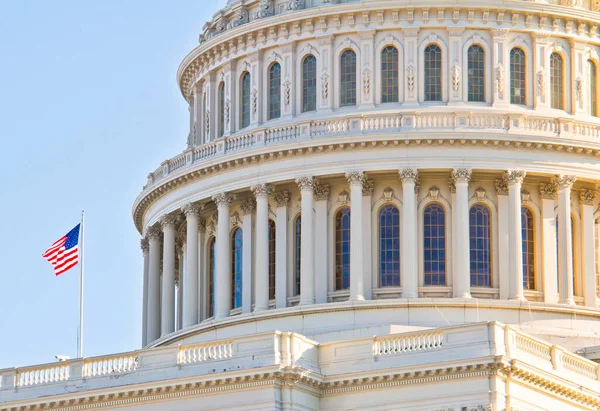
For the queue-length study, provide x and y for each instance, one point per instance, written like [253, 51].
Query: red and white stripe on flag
[64, 253]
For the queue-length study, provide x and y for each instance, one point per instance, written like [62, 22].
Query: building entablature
[475, 352]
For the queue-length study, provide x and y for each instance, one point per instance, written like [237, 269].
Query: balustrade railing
[192, 354]
[381, 124]
[110, 365]
[42, 375]
[533, 346]
[408, 343]
[580, 365]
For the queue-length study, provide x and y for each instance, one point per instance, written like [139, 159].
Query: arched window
[237, 245]
[476, 73]
[221, 109]
[593, 88]
[309, 84]
[597, 248]
[528, 246]
[433, 73]
[434, 244]
[245, 101]
[389, 246]
[389, 75]
[271, 259]
[212, 259]
[480, 246]
[274, 91]
[557, 80]
[518, 71]
[342, 249]
[348, 78]
[297, 254]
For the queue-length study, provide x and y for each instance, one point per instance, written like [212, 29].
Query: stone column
[153, 326]
[355, 180]
[588, 245]
[261, 288]
[167, 321]
[514, 179]
[565, 240]
[321, 240]
[503, 238]
[282, 200]
[144, 243]
[307, 249]
[202, 272]
[410, 273]
[500, 68]
[549, 257]
[223, 257]
[248, 209]
[368, 187]
[462, 268]
[190, 279]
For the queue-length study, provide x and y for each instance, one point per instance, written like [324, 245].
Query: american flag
[64, 253]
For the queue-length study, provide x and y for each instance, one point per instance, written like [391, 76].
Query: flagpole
[81, 271]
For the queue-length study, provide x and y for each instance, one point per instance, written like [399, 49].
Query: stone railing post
[8, 379]
[556, 355]
[76, 369]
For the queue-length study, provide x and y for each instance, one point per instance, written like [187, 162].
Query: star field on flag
[64, 253]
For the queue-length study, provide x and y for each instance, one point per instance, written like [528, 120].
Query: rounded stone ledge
[574, 327]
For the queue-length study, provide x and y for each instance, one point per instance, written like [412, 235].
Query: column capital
[306, 183]
[548, 191]
[409, 175]
[282, 198]
[368, 188]
[501, 187]
[586, 197]
[262, 190]
[248, 206]
[514, 177]
[499, 34]
[168, 221]
[144, 244]
[192, 209]
[564, 181]
[461, 175]
[223, 199]
[322, 192]
[355, 177]
[153, 232]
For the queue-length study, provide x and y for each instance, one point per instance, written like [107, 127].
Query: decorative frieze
[241, 16]
[265, 9]
[296, 5]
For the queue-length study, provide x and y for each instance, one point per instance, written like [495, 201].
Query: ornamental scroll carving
[411, 77]
[548, 191]
[287, 91]
[296, 5]
[500, 78]
[367, 81]
[325, 85]
[409, 176]
[322, 192]
[241, 17]
[254, 101]
[461, 175]
[586, 197]
[355, 177]
[207, 122]
[456, 77]
[368, 188]
[227, 110]
[265, 9]
[564, 182]
[579, 90]
[282, 198]
[541, 83]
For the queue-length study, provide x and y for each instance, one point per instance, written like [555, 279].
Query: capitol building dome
[383, 205]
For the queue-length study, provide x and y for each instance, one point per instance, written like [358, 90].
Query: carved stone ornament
[265, 9]
[525, 196]
[212, 226]
[514, 176]
[154, 232]
[223, 199]
[248, 206]
[579, 90]
[501, 187]
[296, 5]
[368, 188]
[409, 176]
[241, 16]
[564, 182]
[282, 198]
[234, 220]
[500, 77]
[262, 190]
[344, 197]
[434, 192]
[541, 83]
[254, 101]
[227, 109]
[168, 221]
[595, 5]
[461, 175]
[306, 183]
[451, 185]
[367, 81]
[191, 209]
[287, 92]
[456, 77]
[207, 122]
[388, 194]
[411, 77]
[144, 244]
[355, 177]
[322, 192]
[325, 85]
[480, 193]
[586, 197]
[548, 191]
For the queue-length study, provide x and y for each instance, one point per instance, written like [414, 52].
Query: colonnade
[159, 245]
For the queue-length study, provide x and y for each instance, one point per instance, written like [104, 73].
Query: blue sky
[89, 106]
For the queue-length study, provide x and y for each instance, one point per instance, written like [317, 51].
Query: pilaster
[355, 180]
[223, 284]
[462, 272]
[307, 262]
[261, 288]
[409, 258]
[500, 68]
[549, 245]
[325, 74]
[367, 69]
[167, 223]
[412, 68]
[282, 200]
[368, 187]
[565, 240]
[321, 244]
[456, 65]
[288, 83]
[503, 238]
[588, 246]
[578, 88]
[248, 250]
[230, 109]
[541, 70]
